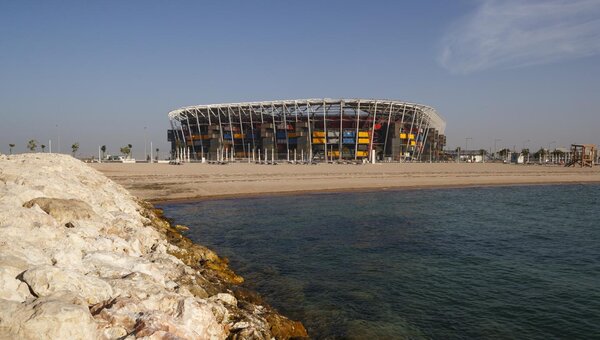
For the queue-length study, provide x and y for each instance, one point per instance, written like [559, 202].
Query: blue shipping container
[348, 141]
[227, 135]
[349, 133]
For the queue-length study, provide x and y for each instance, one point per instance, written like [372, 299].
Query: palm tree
[156, 157]
[557, 155]
[130, 149]
[75, 147]
[103, 149]
[11, 146]
[504, 152]
[525, 153]
[482, 152]
[32, 145]
[43, 147]
[126, 150]
[540, 154]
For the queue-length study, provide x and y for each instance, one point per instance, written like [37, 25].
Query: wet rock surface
[81, 258]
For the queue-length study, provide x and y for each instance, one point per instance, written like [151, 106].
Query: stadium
[308, 130]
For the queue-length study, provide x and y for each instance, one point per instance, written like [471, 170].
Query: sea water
[496, 262]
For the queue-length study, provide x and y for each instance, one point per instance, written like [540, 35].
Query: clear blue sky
[99, 72]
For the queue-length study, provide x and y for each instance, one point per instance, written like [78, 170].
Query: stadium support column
[242, 132]
[418, 135]
[210, 131]
[274, 137]
[201, 137]
[231, 133]
[422, 146]
[325, 130]
[191, 134]
[373, 133]
[400, 132]
[356, 136]
[341, 128]
[410, 131]
[221, 141]
[175, 143]
[310, 148]
[252, 129]
[182, 151]
[387, 131]
[287, 139]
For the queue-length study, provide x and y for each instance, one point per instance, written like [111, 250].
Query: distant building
[308, 129]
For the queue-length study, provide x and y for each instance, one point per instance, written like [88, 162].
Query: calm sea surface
[501, 262]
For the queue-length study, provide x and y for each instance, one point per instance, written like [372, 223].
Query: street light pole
[58, 134]
[145, 149]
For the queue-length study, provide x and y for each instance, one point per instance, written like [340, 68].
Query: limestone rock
[10, 288]
[45, 280]
[60, 316]
[80, 258]
[63, 210]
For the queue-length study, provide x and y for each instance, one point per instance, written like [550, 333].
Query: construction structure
[582, 155]
[308, 130]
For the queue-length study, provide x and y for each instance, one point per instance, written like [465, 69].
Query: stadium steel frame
[309, 130]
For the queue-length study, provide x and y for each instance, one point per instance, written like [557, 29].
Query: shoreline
[356, 190]
[163, 183]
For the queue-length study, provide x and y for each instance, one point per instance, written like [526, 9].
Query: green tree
[525, 153]
[504, 152]
[11, 146]
[558, 154]
[103, 149]
[540, 154]
[482, 152]
[32, 145]
[156, 156]
[43, 147]
[74, 148]
[126, 150]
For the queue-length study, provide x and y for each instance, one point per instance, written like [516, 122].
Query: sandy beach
[163, 182]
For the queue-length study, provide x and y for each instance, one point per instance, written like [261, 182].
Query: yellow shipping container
[363, 134]
[412, 142]
[318, 140]
[334, 154]
[238, 136]
[411, 136]
[403, 136]
[364, 141]
[362, 153]
[318, 133]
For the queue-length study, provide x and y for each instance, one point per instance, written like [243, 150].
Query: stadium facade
[308, 129]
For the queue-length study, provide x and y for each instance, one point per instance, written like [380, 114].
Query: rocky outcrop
[81, 258]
